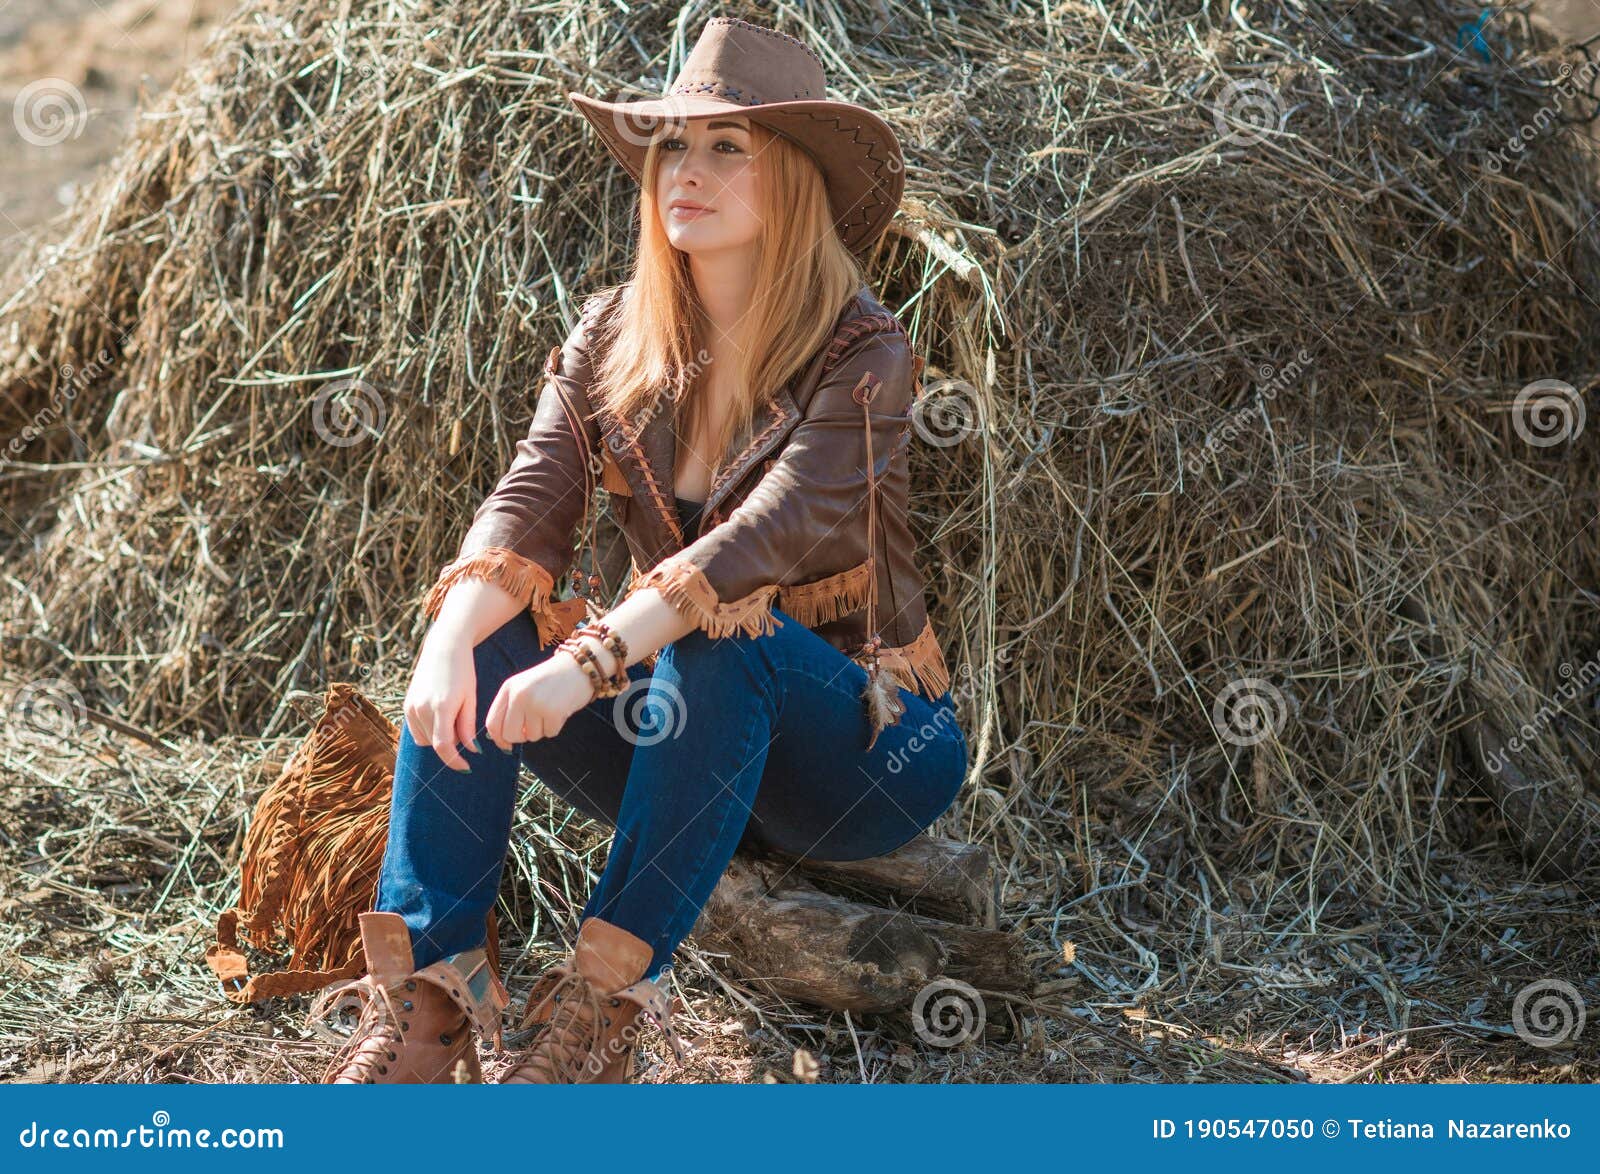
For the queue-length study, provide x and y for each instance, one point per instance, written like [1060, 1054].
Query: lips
[687, 208]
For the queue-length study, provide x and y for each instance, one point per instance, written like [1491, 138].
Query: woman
[799, 699]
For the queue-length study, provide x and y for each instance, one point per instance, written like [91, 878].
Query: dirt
[95, 64]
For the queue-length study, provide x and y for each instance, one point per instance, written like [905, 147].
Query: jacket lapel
[782, 413]
[647, 457]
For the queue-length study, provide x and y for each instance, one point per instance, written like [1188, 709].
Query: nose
[690, 166]
[695, 157]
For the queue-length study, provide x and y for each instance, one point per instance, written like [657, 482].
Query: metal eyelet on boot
[384, 1070]
[606, 1020]
[411, 986]
[406, 1005]
[392, 1056]
[443, 1038]
[405, 1026]
[616, 1002]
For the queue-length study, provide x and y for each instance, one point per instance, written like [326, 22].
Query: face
[705, 186]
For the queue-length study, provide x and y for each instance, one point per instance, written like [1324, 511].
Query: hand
[537, 702]
[443, 696]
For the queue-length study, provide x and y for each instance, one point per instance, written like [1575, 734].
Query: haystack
[1253, 489]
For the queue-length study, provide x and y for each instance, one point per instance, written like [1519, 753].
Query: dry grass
[1345, 306]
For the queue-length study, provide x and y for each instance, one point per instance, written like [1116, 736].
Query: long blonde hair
[803, 276]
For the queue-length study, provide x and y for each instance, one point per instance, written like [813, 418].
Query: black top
[688, 513]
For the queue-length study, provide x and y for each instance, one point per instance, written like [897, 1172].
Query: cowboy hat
[776, 80]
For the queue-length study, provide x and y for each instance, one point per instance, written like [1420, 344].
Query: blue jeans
[730, 740]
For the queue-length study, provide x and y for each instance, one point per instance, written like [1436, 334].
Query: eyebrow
[726, 123]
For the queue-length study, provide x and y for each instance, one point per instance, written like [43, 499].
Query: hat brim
[856, 151]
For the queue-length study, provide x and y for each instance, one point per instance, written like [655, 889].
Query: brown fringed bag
[313, 854]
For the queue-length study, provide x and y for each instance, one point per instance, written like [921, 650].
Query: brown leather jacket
[785, 523]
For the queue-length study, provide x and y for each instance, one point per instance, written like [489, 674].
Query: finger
[495, 724]
[521, 728]
[415, 724]
[444, 740]
[467, 725]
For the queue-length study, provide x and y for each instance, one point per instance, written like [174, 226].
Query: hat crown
[751, 65]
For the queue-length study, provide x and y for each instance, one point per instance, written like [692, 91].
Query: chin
[689, 241]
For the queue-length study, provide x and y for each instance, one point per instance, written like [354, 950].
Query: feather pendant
[881, 698]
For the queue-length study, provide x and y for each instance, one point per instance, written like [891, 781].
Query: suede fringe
[559, 620]
[918, 667]
[312, 855]
[522, 577]
[828, 599]
[685, 586]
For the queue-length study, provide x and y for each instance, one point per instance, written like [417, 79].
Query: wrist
[609, 663]
[446, 634]
[573, 668]
[601, 655]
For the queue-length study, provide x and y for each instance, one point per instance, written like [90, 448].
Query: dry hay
[1245, 407]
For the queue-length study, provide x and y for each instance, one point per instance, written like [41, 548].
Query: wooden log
[1555, 819]
[783, 935]
[989, 959]
[1546, 805]
[803, 944]
[947, 878]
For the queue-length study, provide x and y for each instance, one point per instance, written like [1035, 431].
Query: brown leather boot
[591, 1004]
[416, 1026]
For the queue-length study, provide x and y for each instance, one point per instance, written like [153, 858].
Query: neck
[723, 281]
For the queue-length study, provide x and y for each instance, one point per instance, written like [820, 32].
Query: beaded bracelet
[603, 686]
[613, 641]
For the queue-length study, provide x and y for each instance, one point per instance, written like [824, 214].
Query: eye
[733, 147]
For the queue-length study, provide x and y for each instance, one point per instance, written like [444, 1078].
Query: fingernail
[475, 748]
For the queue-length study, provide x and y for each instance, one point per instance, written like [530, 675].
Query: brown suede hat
[770, 78]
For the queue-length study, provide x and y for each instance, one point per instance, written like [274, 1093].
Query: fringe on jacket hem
[829, 599]
[918, 667]
[520, 576]
[685, 586]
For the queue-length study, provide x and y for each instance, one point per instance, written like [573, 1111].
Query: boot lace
[572, 1039]
[374, 1043]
